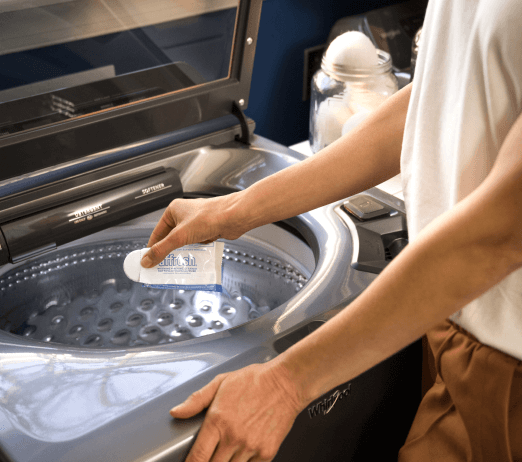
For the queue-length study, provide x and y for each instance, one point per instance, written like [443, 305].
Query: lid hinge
[245, 133]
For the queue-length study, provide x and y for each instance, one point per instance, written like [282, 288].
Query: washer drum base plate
[81, 296]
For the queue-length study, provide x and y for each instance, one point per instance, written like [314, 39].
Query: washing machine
[91, 362]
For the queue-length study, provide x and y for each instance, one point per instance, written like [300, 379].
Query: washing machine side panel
[365, 419]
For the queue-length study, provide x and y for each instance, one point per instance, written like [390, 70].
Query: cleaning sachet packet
[192, 267]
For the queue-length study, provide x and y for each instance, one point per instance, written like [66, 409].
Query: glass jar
[343, 97]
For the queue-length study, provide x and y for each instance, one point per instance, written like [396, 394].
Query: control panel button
[365, 207]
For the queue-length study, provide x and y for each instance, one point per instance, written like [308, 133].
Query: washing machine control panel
[378, 228]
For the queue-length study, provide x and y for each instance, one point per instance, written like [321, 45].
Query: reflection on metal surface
[353, 231]
[59, 401]
[170, 451]
[331, 250]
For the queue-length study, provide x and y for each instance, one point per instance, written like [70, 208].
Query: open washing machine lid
[81, 77]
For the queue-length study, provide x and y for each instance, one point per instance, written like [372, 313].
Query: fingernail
[146, 261]
[173, 410]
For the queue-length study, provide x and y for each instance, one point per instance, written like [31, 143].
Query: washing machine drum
[81, 296]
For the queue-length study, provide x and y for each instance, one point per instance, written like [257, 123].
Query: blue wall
[287, 28]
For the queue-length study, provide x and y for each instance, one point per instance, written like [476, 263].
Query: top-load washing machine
[125, 106]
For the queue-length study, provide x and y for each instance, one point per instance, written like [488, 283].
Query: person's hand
[251, 412]
[191, 221]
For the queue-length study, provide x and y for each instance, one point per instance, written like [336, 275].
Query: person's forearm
[367, 156]
[458, 257]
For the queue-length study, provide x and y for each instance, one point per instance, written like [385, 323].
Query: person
[455, 135]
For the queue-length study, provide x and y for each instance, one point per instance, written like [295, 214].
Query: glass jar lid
[343, 72]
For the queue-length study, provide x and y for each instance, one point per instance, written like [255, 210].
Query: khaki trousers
[473, 412]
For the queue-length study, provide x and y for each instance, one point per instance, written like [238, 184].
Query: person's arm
[365, 157]
[458, 257]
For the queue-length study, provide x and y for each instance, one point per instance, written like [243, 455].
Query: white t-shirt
[467, 94]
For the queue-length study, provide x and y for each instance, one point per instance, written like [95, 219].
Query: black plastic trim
[4, 252]
[245, 134]
[46, 197]
[38, 233]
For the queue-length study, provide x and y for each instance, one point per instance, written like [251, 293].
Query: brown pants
[473, 412]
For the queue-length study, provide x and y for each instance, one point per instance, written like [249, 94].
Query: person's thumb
[198, 400]
[161, 249]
